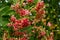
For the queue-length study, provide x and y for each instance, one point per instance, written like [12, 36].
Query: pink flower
[49, 24]
[23, 12]
[39, 5]
[30, 1]
[13, 18]
[15, 7]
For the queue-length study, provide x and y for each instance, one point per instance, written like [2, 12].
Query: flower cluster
[15, 7]
[17, 24]
[39, 5]
[23, 12]
[40, 10]
[20, 11]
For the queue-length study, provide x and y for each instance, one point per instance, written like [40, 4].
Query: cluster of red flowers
[17, 24]
[40, 10]
[23, 12]
[24, 22]
[39, 5]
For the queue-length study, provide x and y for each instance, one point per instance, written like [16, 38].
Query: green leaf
[4, 10]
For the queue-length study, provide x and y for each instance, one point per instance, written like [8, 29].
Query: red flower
[39, 5]
[17, 25]
[18, 21]
[23, 12]
[42, 33]
[25, 22]
[21, 23]
[13, 18]
[30, 1]
[41, 11]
